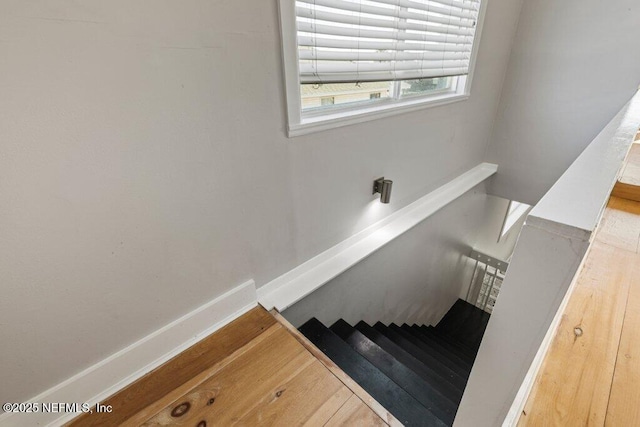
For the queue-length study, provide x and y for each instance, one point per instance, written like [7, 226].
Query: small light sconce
[383, 186]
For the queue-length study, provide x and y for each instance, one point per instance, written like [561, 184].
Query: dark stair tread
[430, 373]
[465, 348]
[458, 314]
[463, 314]
[456, 376]
[451, 338]
[440, 346]
[391, 396]
[456, 351]
[464, 322]
[452, 343]
[461, 368]
[412, 383]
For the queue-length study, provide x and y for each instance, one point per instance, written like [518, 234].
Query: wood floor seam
[615, 364]
[329, 420]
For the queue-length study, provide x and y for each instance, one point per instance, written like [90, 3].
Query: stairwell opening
[406, 322]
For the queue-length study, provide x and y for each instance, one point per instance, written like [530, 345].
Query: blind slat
[466, 13]
[384, 76]
[465, 5]
[388, 12]
[320, 29]
[374, 40]
[341, 18]
[323, 55]
[319, 42]
[336, 67]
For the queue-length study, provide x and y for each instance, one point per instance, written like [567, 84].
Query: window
[373, 58]
[515, 211]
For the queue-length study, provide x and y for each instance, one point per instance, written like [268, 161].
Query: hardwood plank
[626, 191]
[620, 225]
[157, 406]
[272, 380]
[630, 173]
[329, 408]
[339, 373]
[311, 397]
[355, 413]
[180, 369]
[573, 385]
[240, 386]
[623, 407]
[628, 184]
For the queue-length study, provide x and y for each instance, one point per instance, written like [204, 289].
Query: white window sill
[345, 118]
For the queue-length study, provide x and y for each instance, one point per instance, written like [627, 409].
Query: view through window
[320, 96]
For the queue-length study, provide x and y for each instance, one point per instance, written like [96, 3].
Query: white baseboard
[295, 284]
[129, 364]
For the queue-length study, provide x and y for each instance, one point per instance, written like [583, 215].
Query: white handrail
[294, 285]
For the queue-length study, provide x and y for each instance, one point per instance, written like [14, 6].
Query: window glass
[424, 86]
[327, 95]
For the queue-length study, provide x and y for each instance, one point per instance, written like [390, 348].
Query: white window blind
[342, 41]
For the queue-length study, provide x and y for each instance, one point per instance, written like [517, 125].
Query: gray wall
[415, 278]
[145, 169]
[574, 64]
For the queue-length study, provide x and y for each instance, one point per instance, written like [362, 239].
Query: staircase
[418, 373]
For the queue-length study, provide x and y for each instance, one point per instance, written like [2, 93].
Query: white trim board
[294, 285]
[101, 380]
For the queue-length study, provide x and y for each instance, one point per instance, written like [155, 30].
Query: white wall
[145, 169]
[574, 64]
[487, 241]
[422, 272]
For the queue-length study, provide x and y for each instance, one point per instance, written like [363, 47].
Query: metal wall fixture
[383, 186]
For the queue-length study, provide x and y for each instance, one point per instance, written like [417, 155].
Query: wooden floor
[591, 373]
[255, 371]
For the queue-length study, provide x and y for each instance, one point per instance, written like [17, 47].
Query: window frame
[301, 124]
[515, 212]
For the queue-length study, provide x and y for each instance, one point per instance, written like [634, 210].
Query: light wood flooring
[591, 373]
[256, 371]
